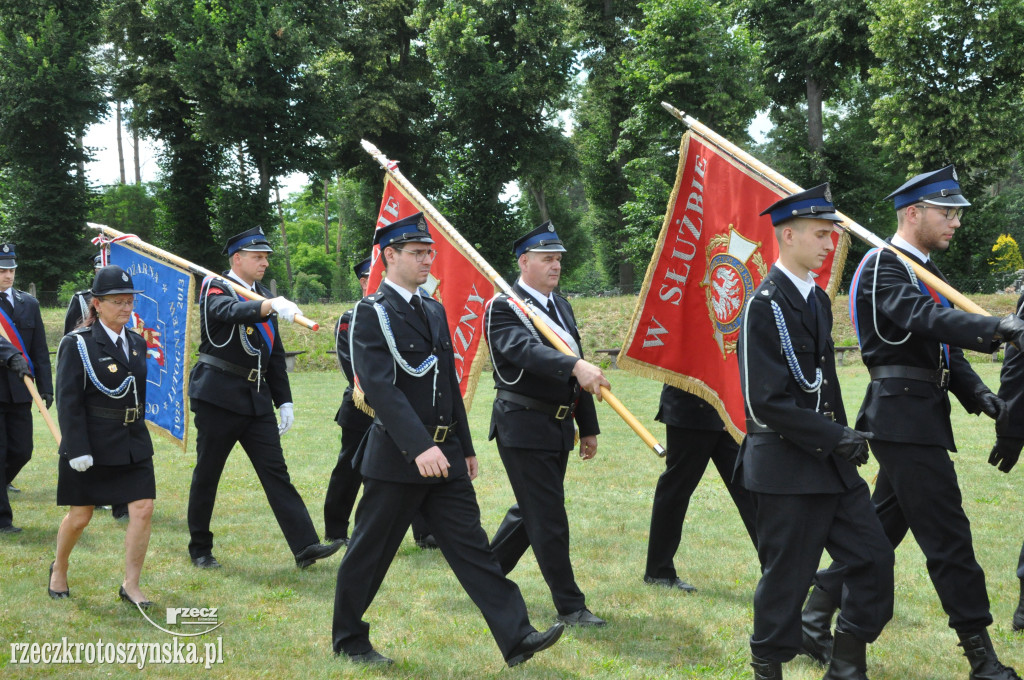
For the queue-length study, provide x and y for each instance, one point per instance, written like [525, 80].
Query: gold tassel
[359, 399]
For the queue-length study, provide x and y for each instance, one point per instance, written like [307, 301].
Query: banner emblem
[728, 284]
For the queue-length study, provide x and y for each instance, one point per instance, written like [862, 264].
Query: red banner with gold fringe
[713, 251]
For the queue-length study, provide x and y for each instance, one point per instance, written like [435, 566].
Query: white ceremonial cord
[246, 345]
[746, 367]
[490, 347]
[119, 392]
[874, 304]
[400, 362]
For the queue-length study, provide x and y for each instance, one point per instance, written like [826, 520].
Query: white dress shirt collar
[805, 286]
[404, 292]
[903, 243]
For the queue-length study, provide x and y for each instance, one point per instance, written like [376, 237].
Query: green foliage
[307, 288]
[49, 94]
[80, 281]
[130, 208]
[692, 54]
[1006, 255]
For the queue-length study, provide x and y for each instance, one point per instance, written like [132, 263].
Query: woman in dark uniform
[106, 454]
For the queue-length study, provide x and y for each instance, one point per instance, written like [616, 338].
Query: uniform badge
[7, 248]
[112, 368]
[729, 283]
[248, 330]
[828, 193]
[124, 277]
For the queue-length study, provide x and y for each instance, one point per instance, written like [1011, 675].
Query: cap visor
[951, 201]
[550, 248]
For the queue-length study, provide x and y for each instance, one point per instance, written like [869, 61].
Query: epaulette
[80, 329]
[766, 291]
[374, 297]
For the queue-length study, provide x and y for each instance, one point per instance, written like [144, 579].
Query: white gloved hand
[287, 418]
[286, 309]
[81, 463]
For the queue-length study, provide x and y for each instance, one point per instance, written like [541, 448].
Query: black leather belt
[754, 428]
[441, 432]
[125, 415]
[936, 376]
[250, 374]
[556, 411]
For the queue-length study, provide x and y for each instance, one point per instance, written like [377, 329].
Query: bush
[308, 288]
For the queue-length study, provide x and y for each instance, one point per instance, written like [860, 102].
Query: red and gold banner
[713, 252]
[454, 282]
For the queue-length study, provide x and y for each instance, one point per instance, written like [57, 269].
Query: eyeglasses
[119, 303]
[950, 212]
[420, 255]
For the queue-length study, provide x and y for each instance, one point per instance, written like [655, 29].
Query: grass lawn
[276, 619]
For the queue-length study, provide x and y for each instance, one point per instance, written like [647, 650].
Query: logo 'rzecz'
[728, 284]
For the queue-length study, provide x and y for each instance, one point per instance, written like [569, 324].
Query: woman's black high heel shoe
[55, 594]
[123, 594]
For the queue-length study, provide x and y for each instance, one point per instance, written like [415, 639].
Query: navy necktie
[417, 304]
[553, 313]
[120, 347]
[5, 302]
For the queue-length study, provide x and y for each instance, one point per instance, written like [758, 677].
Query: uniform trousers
[382, 519]
[792, 532]
[218, 430]
[15, 450]
[686, 460]
[343, 488]
[538, 519]
[917, 489]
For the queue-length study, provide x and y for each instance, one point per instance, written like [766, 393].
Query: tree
[810, 48]
[692, 54]
[951, 92]
[49, 94]
[502, 72]
[1006, 255]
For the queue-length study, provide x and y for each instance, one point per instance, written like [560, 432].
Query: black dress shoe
[674, 582]
[316, 551]
[10, 529]
[123, 594]
[342, 541]
[535, 642]
[370, 658]
[428, 542]
[55, 594]
[581, 617]
[13, 489]
[206, 562]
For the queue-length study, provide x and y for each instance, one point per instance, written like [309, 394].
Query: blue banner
[162, 318]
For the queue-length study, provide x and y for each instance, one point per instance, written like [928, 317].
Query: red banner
[713, 252]
[454, 282]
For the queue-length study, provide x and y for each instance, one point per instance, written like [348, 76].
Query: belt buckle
[562, 412]
[440, 434]
[944, 378]
[131, 415]
[830, 415]
[254, 375]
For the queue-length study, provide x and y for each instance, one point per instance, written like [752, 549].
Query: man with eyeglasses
[912, 342]
[22, 322]
[542, 397]
[417, 457]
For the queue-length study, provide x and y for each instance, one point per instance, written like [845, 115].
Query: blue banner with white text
[162, 319]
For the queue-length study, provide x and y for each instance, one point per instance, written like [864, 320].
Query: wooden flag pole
[38, 400]
[952, 294]
[480, 263]
[195, 269]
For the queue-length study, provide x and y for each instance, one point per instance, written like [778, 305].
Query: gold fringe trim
[359, 399]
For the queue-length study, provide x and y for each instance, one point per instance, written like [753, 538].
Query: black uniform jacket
[679, 408]
[797, 456]
[30, 326]
[408, 409]
[220, 313]
[900, 409]
[1011, 386]
[348, 416]
[78, 308]
[546, 376]
[108, 441]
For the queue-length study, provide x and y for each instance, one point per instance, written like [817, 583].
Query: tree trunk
[138, 164]
[540, 198]
[337, 238]
[120, 143]
[284, 238]
[80, 145]
[815, 129]
[241, 166]
[327, 218]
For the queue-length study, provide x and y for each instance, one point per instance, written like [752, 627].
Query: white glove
[81, 463]
[286, 309]
[287, 418]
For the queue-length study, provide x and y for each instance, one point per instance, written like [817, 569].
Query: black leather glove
[18, 364]
[1011, 329]
[47, 399]
[1005, 453]
[853, 446]
[992, 406]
